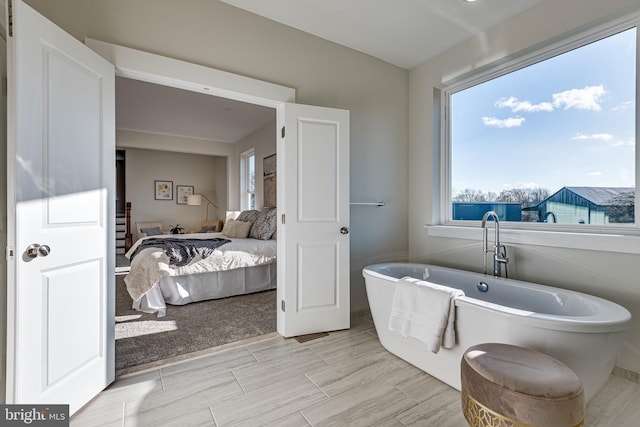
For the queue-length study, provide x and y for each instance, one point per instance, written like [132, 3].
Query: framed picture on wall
[163, 190]
[269, 181]
[182, 191]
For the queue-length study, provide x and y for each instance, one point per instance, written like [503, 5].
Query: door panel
[61, 157]
[313, 293]
[61, 285]
[318, 195]
[315, 267]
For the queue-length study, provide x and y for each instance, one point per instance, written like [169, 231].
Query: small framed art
[163, 190]
[182, 191]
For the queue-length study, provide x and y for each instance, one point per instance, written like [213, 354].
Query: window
[548, 139]
[248, 180]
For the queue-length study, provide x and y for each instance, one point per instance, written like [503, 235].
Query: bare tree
[622, 208]
[524, 196]
[471, 195]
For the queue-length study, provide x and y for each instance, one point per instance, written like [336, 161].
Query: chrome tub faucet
[499, 251]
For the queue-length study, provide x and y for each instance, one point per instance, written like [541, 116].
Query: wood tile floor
[344, 379]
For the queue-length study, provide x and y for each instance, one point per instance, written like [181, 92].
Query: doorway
[171, 133]
[316, 145]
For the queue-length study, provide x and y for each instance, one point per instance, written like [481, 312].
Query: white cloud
[503, 123]
[597, 136]
[623, 106]
[516, 105]
[528, 185]
[595, 173]
[510, 186]
[630, 141]
[606, 137]
[588, 98]
[582, 99]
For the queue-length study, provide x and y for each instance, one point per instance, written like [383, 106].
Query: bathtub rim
[619, 320]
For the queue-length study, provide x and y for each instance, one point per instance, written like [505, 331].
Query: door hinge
[9, 253]
[282, 305]
[283, 219]
[10, 12]
[283, 131]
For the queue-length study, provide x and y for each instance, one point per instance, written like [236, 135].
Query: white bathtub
[583, 331]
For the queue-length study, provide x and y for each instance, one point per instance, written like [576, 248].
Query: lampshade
[194, 199]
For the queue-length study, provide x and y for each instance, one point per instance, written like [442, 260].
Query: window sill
[605, 242]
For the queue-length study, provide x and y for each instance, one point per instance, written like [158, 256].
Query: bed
[237, 266]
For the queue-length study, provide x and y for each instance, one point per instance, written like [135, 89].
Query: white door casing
[61, 162]
[314, 235]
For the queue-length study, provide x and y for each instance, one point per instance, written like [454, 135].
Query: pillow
[248, 216]
[208, 229]
[236, 229]
[265, 225]
[151, 231]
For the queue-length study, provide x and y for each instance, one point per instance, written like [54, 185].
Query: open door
[314, 221]
[61, 161]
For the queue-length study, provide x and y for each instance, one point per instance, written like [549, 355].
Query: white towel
[425, 311]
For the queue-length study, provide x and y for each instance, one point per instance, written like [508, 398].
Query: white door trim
[145, 66]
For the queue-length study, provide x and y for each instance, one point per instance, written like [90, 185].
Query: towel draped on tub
[425, 311]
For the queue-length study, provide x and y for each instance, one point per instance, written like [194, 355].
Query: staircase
[121, 230]
[123, 238]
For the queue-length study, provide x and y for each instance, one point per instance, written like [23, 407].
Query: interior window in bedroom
[248, 180]
[550, 139]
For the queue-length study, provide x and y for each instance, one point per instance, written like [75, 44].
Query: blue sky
[567, 121]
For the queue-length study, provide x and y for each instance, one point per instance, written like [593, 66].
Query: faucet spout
[499, 250]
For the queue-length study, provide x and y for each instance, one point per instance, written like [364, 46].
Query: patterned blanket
[182, 251]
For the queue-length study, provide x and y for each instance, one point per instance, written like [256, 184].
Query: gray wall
[213, 34]
[203, 172]
[610, 275]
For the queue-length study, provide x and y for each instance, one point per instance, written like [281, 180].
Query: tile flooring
[344, 379]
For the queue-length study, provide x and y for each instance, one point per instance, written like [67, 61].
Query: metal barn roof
[601, 196]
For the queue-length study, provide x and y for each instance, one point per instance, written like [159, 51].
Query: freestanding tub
[582, 331]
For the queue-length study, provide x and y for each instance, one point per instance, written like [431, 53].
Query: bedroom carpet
[143, 338]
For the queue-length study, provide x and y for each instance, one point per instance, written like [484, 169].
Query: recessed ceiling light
[468, 1]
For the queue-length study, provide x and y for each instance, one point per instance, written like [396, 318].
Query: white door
[61, 148]
[314, 222]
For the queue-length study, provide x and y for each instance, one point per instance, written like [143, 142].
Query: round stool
[506, 385]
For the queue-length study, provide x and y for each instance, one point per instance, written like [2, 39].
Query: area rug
[144, 338]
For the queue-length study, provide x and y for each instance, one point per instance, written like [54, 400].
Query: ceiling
[153, 108]
[405, 33]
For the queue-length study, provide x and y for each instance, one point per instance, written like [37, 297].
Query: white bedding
[151, 265]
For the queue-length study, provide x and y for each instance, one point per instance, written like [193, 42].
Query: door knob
[344, 230]
[35, 250]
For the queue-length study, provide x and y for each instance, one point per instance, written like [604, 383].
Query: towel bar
[379, 204]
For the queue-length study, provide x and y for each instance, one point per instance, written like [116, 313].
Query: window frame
[615, 238]
[245, 194]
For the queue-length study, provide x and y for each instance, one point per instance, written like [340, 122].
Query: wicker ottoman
[505, 385]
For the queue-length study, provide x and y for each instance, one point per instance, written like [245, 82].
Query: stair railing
[128, 237]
